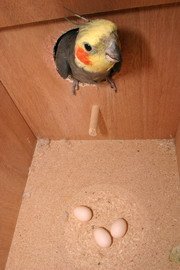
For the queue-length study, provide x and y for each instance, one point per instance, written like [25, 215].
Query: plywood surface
[148, 99]
[136, 180]
[178, 146]
[17, 12]
[85, 7]
[17, 144]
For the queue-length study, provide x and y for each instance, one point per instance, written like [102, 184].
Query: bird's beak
[113, 51]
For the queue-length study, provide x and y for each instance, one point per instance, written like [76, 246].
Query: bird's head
[97, 46]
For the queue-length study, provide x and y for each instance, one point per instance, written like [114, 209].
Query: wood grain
[16, 12]
[16, 148]
[84, 7]
[178, 147]
[148, 99]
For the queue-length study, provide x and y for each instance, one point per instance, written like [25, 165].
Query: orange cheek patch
[83, 56]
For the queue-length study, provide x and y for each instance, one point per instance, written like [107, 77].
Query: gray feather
[62, 51]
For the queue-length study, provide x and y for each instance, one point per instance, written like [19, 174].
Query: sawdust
[136, 180]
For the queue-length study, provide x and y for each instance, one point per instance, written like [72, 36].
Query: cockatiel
[89, 54]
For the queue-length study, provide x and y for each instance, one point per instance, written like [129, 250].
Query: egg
[83, 213]
[102, 237]
[119, 228]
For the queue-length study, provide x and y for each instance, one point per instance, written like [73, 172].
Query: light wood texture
[148, 99]
[16, 148]
[136, 180]
[94, 120]
[178, 147]
[15, 12]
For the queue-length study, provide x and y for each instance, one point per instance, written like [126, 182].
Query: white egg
[83, 213]
[102, 237]
[119, 228]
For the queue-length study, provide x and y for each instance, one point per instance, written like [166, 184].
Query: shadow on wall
[102, 124]
[135, 52]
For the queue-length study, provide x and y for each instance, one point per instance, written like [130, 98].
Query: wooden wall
[148, 99]
[178, 147]
[17, 144]
[18, 12]
[147, 104]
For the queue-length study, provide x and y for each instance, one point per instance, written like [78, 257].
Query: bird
[89, 54]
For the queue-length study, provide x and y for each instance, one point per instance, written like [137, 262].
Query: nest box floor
[137, 180]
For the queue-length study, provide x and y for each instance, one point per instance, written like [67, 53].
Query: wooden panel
[178, 146]
[15, 12]
[148, 99]
[16, 148]
[85, 7]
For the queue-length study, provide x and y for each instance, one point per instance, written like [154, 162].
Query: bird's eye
[87, 47]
